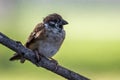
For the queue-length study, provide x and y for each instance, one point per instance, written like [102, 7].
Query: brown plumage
[46, 38]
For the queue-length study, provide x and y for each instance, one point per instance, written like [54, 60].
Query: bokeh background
[91, 47]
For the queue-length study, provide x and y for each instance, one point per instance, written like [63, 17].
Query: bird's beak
[64, 22]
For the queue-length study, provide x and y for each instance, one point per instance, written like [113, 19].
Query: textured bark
[44, 62]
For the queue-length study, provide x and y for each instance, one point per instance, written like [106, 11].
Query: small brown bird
[46, 38]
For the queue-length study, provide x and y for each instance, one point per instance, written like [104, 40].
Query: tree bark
[44, 62]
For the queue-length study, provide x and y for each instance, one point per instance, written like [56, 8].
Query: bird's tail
[16, 56]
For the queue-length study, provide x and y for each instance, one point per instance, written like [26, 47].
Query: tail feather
[16, 56]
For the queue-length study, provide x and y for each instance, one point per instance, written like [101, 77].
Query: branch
[44, 62]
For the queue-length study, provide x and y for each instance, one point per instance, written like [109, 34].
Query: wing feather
[37, 34]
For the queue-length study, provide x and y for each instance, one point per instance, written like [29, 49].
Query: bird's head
[55, 20]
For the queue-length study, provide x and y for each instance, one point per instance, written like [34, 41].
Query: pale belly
[50, 45]
[48, 49]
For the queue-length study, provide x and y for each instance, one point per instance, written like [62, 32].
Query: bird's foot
[56, 63]
[38, 57]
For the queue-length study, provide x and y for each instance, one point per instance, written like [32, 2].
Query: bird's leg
[37, 55]
[56, 63]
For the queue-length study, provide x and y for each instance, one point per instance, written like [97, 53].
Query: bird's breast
[51, 44]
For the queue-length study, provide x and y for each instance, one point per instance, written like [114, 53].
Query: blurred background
[91, 47]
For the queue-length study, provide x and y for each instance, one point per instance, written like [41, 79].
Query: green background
[91, 47]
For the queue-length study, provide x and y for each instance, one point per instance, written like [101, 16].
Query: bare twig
[44, 62]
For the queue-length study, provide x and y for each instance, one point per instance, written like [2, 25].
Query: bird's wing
[37, 34]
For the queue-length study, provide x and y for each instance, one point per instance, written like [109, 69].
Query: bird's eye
[61, 26]
[55, 20]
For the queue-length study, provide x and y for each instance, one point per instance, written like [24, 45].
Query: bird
[46, 38]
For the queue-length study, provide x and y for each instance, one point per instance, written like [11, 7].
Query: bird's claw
[56, 63]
